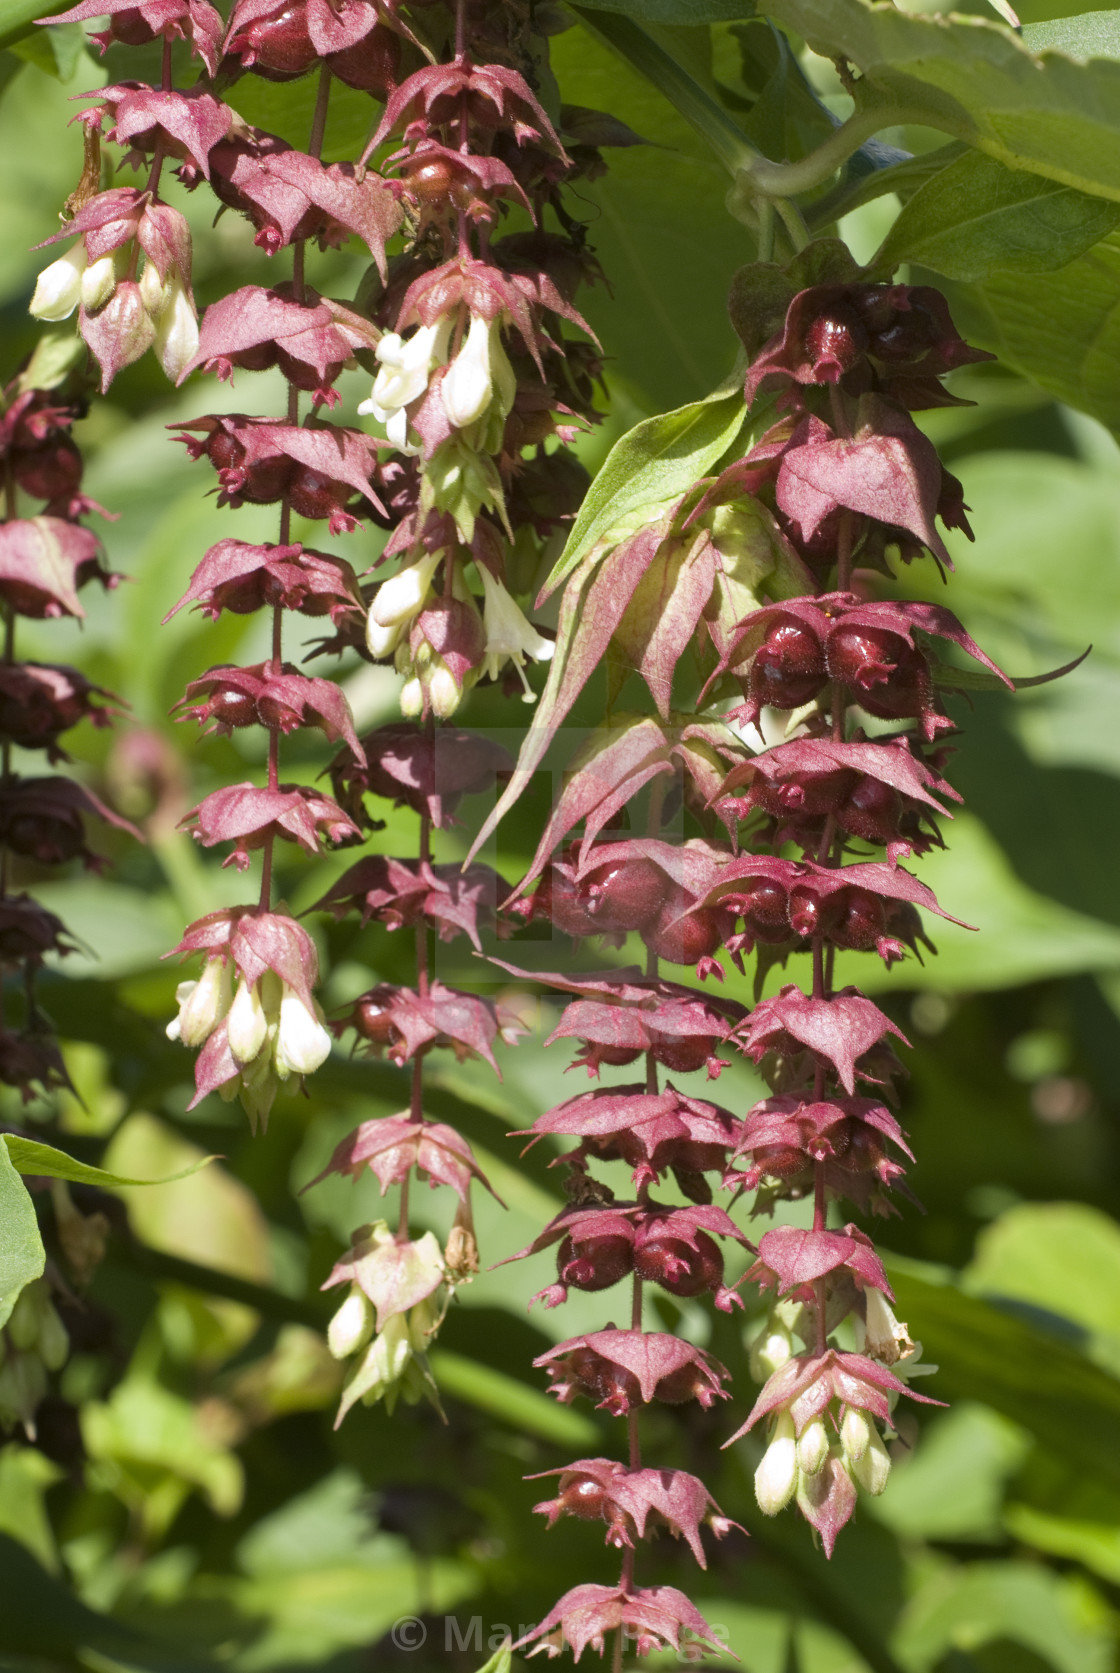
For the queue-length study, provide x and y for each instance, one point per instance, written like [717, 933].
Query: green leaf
[1012, 1602]
[663, 324]
[676, 11]
[1061, 1256]
[976, 218]
[1091, 35]
[695, 104]
[976, 81]
[1038, 1381]
[653, 463]
[29, 1156]
[22, 1256]
[1062, 329]
[512, 1401]
[500, 1662]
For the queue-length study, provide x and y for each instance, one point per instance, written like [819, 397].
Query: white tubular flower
[443, 693]
[202, 1004]
[98, 283]
[887, 1338]
[412, 698]
[397, 601]
[176, 329]
[812, 1448]
[153, 292]
[58, 288]
[776, 1476]
[352, 1326]
[873, 1469]
[509, 633]
[406, 364]
[468, 388]
[771, 1349]
[302, 1043]
[855, 1434]
[248, 1025]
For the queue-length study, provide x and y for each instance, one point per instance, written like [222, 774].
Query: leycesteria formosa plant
[790, 759]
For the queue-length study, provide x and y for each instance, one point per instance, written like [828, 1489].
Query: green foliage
[220, 1520]
[22, 1256]
[976, 81]
[29, 1156]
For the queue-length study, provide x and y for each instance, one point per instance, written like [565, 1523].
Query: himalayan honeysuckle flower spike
[778, 567]
[476, 394]
[48, 557]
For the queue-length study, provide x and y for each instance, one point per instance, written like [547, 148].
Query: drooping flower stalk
[767, 577]
[47, 555]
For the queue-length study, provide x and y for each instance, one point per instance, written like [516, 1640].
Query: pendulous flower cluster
[47, 556]
[475, 382]
[818, 741]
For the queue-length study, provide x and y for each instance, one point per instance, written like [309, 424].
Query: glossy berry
[673, 1264]
[764, 908]
[789, 669]
[595, 1263]
[872, 811]
[682, 937]
[625, 896]
[834, 342]
[279, 46]
[863, 658]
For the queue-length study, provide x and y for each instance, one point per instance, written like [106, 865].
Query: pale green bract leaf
[977, 81]
[653, 463]
[22, 1256]
[500, 1662]
[976, 218]
[31, 1157]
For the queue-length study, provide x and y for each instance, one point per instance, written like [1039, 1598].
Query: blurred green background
[216, 1519]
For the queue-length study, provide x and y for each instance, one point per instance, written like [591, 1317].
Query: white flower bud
[776, 1476]
[397, 601]
[412, 698]
[443, 693]
[855, 1434]
[247, 1029]
[202, 1004]
[468, 388]
[176, 330]
[154, 294]
[302, 1043]
[98, 283]
[58, 288]
[771, 1349]
[812, 1447]
[352, 1326]
[873, 1469]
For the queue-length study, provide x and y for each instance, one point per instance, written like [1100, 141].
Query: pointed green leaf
[29, 1156]
[976, 81]
[976, 218]
[1062, 329]
[653, 463]
[22, 1256]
